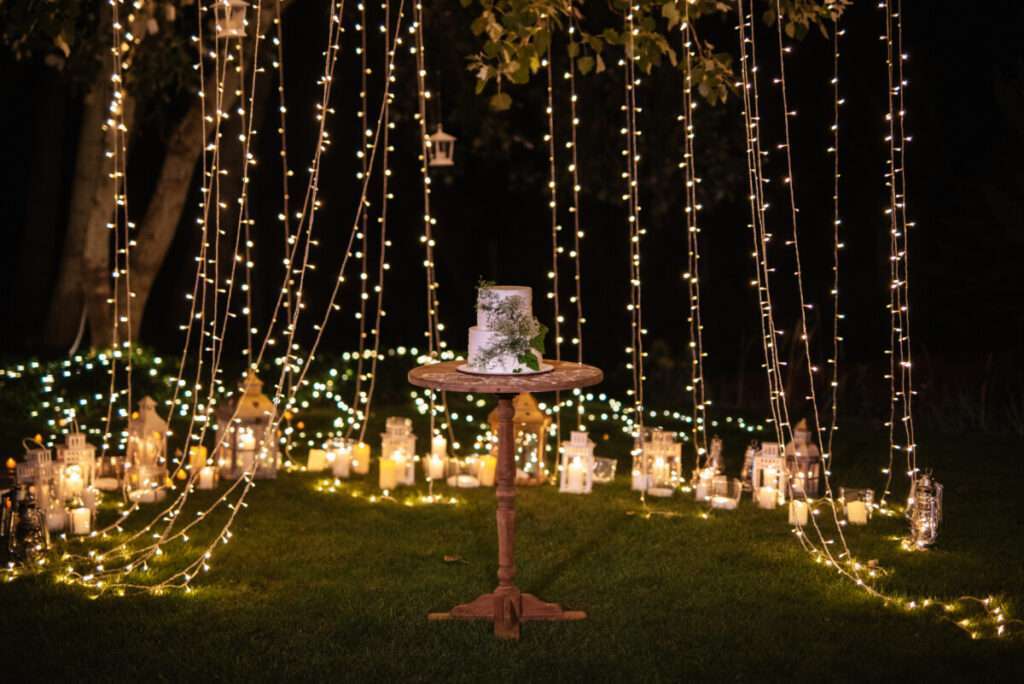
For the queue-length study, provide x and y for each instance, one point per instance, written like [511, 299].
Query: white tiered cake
[507, 339]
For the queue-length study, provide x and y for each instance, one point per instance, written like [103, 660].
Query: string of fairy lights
[577, 233]
[692, 275]
[556, 228]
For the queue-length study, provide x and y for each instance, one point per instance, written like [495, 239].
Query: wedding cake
[507, 339]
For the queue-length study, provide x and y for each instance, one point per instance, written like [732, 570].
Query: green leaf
[537, 341]
[501, 102]
[529, 360]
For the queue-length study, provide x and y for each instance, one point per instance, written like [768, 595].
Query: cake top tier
[494, 302]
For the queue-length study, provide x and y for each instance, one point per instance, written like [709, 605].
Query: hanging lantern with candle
[577, 476]
[442, 148]
[245, 434]
[229, 16]
[529, 428]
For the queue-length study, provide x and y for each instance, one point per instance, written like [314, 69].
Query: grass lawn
[321, 586]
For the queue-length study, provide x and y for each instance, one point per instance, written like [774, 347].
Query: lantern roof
[252, 405]
[147, 420]
[441, 136]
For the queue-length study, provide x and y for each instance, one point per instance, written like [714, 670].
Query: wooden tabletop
[563, 376]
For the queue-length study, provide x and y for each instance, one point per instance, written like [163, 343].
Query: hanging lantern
[577, 476]
[245, 429]
[229, 16]
[530, 426]
[925, 511]
[442, 148]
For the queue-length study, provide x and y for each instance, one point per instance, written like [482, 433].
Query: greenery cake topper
[518, 334]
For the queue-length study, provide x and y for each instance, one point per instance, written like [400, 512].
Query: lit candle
[73, 482]
[660, 473]
[857, 512]
[56, 519]
[11, 464]
[197, 457]
[361, 458]
[342, 461]
[81, 520]
[723, 502]
[436, 466]
[107, 484]
[702, 492]
[206, 477]
[388, 473]
[488, 466]
[317, 460]
[439, 446]
[798, 512]
[576, 473]
[767, 497]
[246, 440]
[639, 482]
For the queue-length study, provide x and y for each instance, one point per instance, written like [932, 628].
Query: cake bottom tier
[482, 358]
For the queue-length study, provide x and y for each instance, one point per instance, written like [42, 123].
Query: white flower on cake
[506, 339]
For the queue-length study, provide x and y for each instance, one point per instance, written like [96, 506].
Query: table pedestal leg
[506, 606]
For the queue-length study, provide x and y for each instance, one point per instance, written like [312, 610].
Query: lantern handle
[30, 443]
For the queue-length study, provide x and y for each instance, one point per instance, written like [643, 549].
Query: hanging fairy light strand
[692, 276]
[556, 228]
[837, 244]
[576, 253]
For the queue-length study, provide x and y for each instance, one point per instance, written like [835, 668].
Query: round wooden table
[506, 606]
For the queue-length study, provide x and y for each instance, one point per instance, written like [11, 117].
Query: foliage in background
[516, 35]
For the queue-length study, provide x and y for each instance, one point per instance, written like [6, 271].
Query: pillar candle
[317, 460]
[342, 462]
[439, 446]
[56, 519]
[206, 477]
[436, 466]
[857, 512]
[488, 465]
[797, 512]
[576, 476]
[702, 492]
[723, 502]
[73, 482]
[388, 473]
[767, 497]
[361, 458]
[81, 520]
[197, 457]
[639, 481]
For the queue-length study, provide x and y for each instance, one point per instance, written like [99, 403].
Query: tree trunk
[66, 302]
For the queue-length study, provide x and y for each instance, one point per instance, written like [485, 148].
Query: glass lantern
[726, 493]
[577, 471]
[442, 148]
[604, 469]
[230, 18]
[657, 462]
[146, 459]
[803, 463]
[339, 456]
[857, 504]
[530, 427]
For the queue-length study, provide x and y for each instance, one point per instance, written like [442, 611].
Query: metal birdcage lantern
[577, 471]
[657, 462]
[229, 16]
[441, 151]
[529, 427]
[247, 443]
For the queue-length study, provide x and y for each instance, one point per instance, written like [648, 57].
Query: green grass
[317, 586]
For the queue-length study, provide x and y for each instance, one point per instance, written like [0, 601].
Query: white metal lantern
[442, 148]
[769, 476]
[230, 18]
[246, 439]
[146, 460]
[657, 462]
[577, 476]
[803, 462]
[77, 452]
[339, 456]
[726, 493]
[397, 436]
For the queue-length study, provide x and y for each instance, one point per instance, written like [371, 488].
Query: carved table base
[507, 608]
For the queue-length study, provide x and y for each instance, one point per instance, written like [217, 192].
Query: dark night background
[965, 104]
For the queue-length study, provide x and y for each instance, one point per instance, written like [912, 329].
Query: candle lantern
[146, 460]
[924, 511]
[339, 456]
[857, 503]
[462, 473]
[768, 476]
[435, 467]
[803, 462]
[715, 459]
[604, 469]
[229, 16]
[657, 462]
[747, 472]
[76, 452]
[397, 436]
[577, 475]
[529, 427]
[442, 148]
[36, 473]
[726, 493]
[246, 439]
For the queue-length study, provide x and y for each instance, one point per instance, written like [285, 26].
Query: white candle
[317, 460]
[639, 482]
[206, 475]
[798, 512]
[435, 466]
[342, 462]
[857, 512]
[81, 520]
[488, 466]
[660, 472]
[439, 446]
[107, 484]
[361, 458]
[767, 497]
[73, 482]
[463, 481]
[388, 474]
[576, 476]
[56, 519]
[723, 502]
